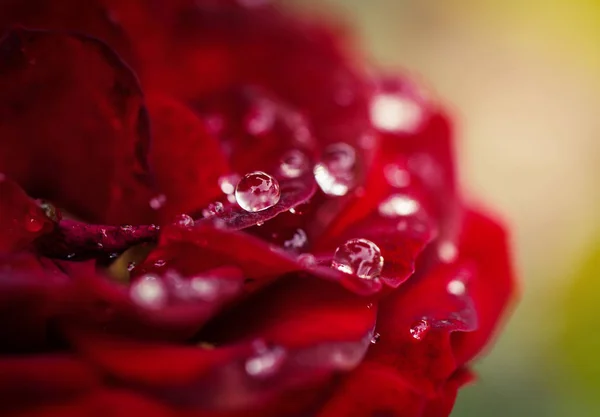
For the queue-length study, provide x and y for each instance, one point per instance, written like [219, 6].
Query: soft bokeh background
[523, 79]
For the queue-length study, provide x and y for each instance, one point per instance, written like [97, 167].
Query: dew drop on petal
[335, 173]
[293, 164]
[149, 291]
[205, 289]
[159, 263]
[395, 113]
[266, 361]
[213, 209]
[307, 260]
[456, 287]
[33, 223]
[419, 329]
[396, 176]
[131, 266]
[447, 252]
[398, 205]
[297, 241]
[158, 201]
[227, 183]
[375, 338]
[183, 220]
[257, 191]
[359, 257]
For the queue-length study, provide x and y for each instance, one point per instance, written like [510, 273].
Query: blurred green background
[522, 78]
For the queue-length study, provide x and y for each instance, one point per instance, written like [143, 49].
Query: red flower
[343, 276]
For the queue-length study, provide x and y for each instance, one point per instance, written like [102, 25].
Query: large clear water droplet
[257, 191]
[419, 329]
[335, 173]
[266, 361]
[149, 291]
[398, 205]
[293, 164]
[359, 257]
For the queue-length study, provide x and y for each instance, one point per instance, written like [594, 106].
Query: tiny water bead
[227, 185]
[396, 175]
[375, 338]
[307, 260]
[297, 241]
[257, 191]
[266, 361]
[34, 223]
[419, 329]
[335, 173]
[212, 209]
[158, 201]
[183, 220]
[359, 257]
[149, 291]
[447, 252]
[398, 205]
[293, 164]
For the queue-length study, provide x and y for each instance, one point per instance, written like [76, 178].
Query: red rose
[252, 223]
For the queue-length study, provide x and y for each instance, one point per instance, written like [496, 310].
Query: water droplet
[398, 205]
[395, 113]
[158, 201]
[260, 223]
[127, 228]
[335, 173]
[307, 260]
[205, 289]
[447, 252]
[293, 164]
[359, 257]
[130, 266]
[51, 211]
[419, 329]
[33, 223]
[257, 191]
[375, 338]
[149, 291]
[183, 220]
[370, 306]
[260, 118]
[227, 183]
[213, 209]
[159, 263]
[298, 241]
[396, 176]
[266, 361]
[456, 287]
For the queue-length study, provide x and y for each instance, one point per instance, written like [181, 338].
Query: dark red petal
[415, 323]
[102, 402]
[373, 390]
[72, 239]
[30, 295]
[485, 243]
[21, 219]
[322, 329]
[91, 18]
[73, 112]
[43, 378]
[185, 158]
[443, 404]
[97, 302]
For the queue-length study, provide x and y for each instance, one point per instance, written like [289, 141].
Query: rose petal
[443, 404]
[485, 243]
[30, 295]
[415, 336]
[373, 390]
[185, 158]
[43, 378]
[72, 239]
[21, 219]
[57, 90]
[92, 18]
